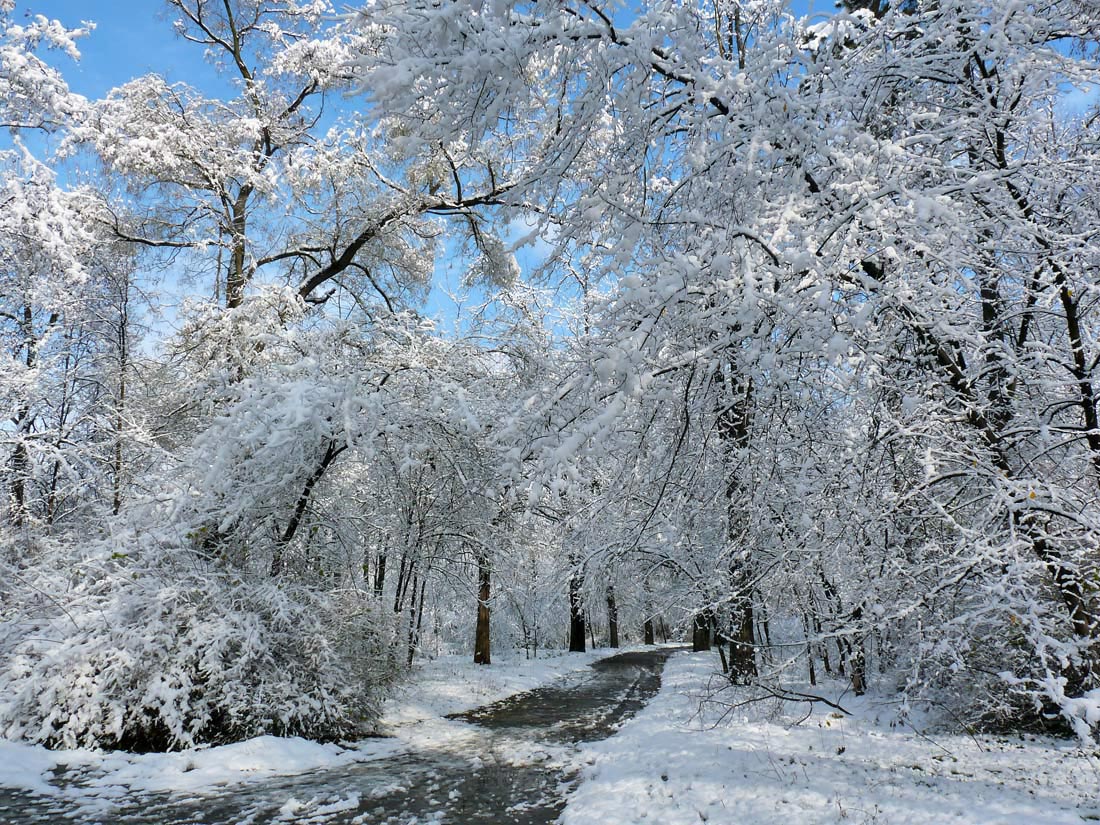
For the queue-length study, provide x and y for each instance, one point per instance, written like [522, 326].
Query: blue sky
[132, 38]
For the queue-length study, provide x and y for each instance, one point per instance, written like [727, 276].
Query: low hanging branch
[332, 452]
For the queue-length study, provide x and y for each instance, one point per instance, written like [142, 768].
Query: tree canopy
[808, 370]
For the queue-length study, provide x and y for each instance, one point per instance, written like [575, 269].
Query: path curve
[513, 765]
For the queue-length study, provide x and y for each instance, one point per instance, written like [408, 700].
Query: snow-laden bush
[147, 653]
[996, 650]
[1003, 672]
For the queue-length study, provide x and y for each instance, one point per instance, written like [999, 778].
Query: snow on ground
[412, 718]
[26, 767]
[674, 764]
[453, 684]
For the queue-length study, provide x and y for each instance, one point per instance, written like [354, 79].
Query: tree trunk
[237, 276]
[576, 612]
[647, 631]
[743, 646]
[21, 460]
[857, 663]
[404, 570]
[67, 385]
[858, 667]
[481, 632]
[807, 629]
[116, 474]
[612, 618]
[20, 466]
[415, 625]
[278, 559]
[380, 574]
[734, 427]
[120, 400]
[700, 632]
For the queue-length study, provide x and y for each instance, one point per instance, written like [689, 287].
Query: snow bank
[198, 770]
[26, 766]
[674, 764]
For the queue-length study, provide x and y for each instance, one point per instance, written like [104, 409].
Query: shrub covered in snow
[148, 654]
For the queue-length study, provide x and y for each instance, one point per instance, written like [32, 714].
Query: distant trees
[56, 310]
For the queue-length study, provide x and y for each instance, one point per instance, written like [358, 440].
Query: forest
[778, 335]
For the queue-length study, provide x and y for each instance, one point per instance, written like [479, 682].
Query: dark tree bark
[807, 628]
[404, 572]
[662, 629]
[380, 574]
[481, 632]
[120, 410]
[237, 277]
[416, 618]
[24, 423]
[734, 422]
[743, 645]
[647, 631]
[700, 632]
[612, 618]
[859, 670]
[20, 467]
[331, 453]
[576, 610]
[857, 664]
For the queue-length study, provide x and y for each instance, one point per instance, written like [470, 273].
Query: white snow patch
[199, 769]
[26, 767]
[674, 763]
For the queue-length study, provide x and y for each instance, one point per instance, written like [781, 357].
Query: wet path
[512, 765]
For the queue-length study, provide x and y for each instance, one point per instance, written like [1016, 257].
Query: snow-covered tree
[855, 238]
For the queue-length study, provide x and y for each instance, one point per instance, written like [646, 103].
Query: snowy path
[508, 762]
[684, 760]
